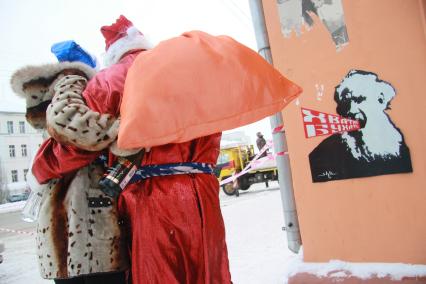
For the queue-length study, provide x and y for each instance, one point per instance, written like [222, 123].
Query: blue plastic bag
[70, 51]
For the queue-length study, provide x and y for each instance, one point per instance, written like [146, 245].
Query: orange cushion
[195, 85]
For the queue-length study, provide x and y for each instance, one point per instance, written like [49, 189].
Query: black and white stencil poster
[364, 141]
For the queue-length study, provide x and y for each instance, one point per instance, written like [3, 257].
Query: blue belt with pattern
[149, 171]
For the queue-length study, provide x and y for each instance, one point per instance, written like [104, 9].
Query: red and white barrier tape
[254, 161]
[279, 128]
[17, 231]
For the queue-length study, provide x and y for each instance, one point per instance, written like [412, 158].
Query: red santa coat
[176, 224]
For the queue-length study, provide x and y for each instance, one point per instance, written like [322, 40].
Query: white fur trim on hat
[133, 40]
[30, 73]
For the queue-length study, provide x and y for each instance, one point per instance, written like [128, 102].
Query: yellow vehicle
[233, 160]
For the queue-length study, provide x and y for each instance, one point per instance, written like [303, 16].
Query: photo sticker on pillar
[364, 141]
[294, 14]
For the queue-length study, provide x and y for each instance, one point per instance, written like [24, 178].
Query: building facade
[360, 194]
[231, 138]
[18, 144]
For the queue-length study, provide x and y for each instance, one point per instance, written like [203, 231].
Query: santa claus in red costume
[175, 222]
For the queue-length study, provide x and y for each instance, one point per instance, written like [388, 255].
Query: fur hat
[120, 38]
[34, 84]
[42, 75]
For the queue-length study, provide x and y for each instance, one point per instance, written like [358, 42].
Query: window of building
[25, 174]
[24, 150]
[10, 127]
[14, 175]
[22, 127]
[12, 151]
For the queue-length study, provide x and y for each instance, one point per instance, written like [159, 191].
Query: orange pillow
[195, 85]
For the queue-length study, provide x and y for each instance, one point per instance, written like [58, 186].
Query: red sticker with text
[317, 123]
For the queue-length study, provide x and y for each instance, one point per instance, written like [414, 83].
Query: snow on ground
[342, 269]
[257, 245]
[12, 207]
[19, 265]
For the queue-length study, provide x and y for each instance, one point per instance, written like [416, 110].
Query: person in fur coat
[79, 236]
[175, 222]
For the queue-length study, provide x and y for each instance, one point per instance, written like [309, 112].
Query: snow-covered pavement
[257, 246]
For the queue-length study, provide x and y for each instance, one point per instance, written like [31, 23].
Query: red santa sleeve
[54, 160]
[104, 92]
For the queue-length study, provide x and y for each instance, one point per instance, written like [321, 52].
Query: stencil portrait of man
[377, 148]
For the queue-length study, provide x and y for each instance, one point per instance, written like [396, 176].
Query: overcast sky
[28, 28]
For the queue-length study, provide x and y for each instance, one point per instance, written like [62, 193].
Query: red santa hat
[120, 38]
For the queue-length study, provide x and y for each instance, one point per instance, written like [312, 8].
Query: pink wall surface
[369, 219]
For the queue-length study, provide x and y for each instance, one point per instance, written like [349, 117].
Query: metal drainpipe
[279, 139]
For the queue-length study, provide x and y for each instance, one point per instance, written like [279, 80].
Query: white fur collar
[133, 40]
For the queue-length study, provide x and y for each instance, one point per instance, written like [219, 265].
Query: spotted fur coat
[79, 231]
